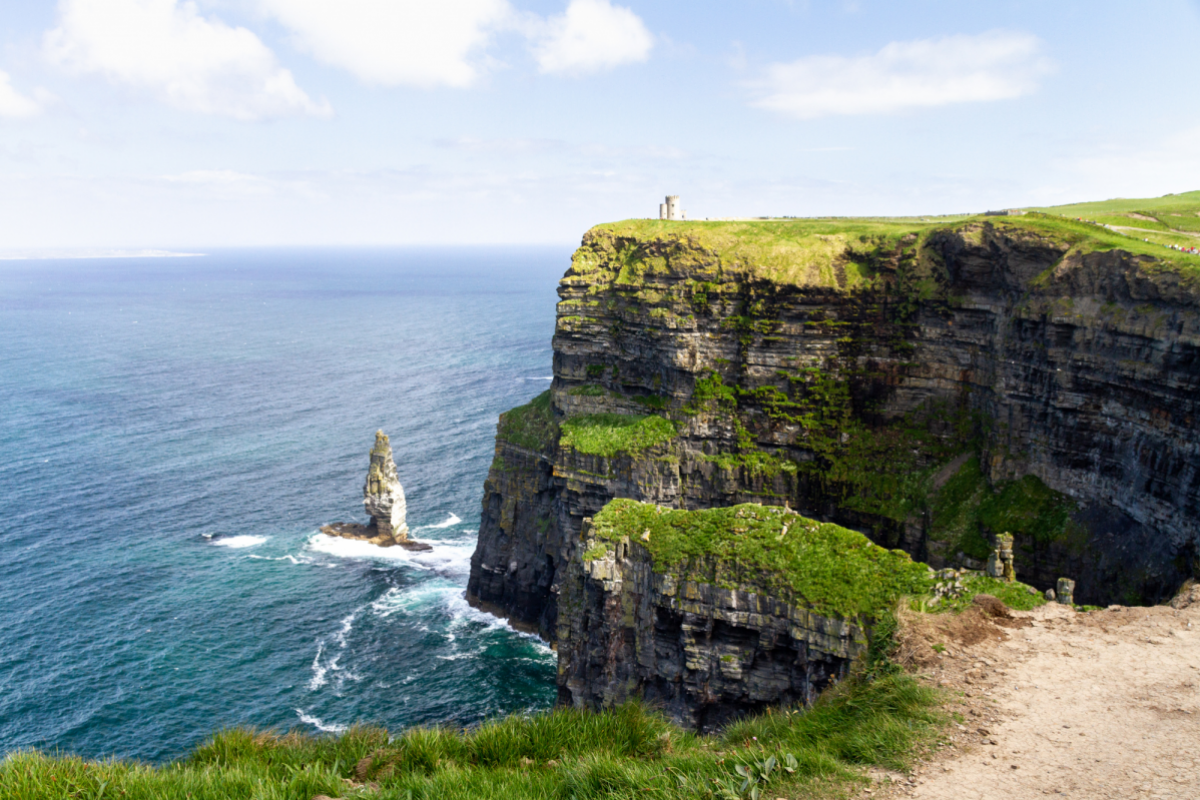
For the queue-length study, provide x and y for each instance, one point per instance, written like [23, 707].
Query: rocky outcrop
[931, 388]
[702, 653]
[383, 498]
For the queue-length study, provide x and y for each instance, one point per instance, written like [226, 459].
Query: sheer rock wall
[984, 345]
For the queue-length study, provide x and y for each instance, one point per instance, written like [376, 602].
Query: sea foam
[451, 521]
[452, 558]
[324, 727]
[240, 542]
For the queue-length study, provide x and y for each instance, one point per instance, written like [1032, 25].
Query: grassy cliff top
[1171, 220]
[1180, 211]
[833, 569]
[839, 252]
[804, 252]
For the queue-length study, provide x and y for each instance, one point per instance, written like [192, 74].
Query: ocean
[173, 431]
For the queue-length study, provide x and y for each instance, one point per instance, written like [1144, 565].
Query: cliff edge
[931, 385]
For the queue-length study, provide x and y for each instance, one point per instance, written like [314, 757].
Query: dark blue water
[172, 434]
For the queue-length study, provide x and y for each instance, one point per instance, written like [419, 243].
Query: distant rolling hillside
[1173, 219]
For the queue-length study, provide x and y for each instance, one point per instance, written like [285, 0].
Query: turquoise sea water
[172, 433]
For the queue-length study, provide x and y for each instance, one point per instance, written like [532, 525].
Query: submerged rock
[383, 497]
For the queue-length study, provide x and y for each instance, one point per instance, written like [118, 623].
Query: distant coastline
[41, 255]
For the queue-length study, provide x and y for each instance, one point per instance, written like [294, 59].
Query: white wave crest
[347, 626]
[452, 520]
[353, 548]
[318, 669]
[240, 542]
[396, 601]
[288, 557]
[461, 613]
[325, 727]
[448, 559]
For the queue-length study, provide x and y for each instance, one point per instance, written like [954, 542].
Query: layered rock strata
[702, 652]
[383, 498]
[931, 388]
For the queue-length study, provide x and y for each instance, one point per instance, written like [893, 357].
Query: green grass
[1170, 217]
[967, 505]
[610, 434]
[845, 253]
[831, 568]
[587, 390]
[627, 752]
[1186, 205]
[808, 252]
[530, 426]
[1085, 237]
[1015, 595]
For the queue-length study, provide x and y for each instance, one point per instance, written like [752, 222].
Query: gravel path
[1053, 702]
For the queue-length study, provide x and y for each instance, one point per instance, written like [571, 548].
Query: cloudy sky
[191, 123]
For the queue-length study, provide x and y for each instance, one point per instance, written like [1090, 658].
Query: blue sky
[164, 123]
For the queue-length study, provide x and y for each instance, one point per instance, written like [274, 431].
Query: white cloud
[590, 36]
[904, 75]
[391, 42]
[194, 63]
[13, 103]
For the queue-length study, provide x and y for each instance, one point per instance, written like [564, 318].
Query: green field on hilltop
[1185, 205]
[844, 252]
[1171, 219]
[796, 251]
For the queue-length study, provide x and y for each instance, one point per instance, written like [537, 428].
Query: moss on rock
[967, 506]
[530, 426]
[767, 548]
[609, 434]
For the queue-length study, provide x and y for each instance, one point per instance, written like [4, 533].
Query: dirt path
[1053, 702]
[1149, 230]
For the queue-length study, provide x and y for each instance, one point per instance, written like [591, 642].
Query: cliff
[710, 614]
[930, 385]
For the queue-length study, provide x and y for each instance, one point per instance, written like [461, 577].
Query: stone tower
[670, 209]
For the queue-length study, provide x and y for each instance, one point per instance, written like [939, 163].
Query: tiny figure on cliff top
[383, 498]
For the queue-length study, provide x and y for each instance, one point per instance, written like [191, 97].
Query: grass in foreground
[628, 752]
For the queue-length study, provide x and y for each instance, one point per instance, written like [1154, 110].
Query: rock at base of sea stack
[383, 497]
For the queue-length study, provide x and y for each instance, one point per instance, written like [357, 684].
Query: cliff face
[929, 387]
[708, 614]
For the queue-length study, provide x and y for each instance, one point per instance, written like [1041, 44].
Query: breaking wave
[240, 542]
[324, 727]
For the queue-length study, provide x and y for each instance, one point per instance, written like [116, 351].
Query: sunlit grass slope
[1171, 219]
[845, 253]
[831, 568]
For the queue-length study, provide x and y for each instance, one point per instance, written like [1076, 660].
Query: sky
[211, 123]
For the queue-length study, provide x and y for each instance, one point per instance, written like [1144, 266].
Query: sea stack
[383, 497]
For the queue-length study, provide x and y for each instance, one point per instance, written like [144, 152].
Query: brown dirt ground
[1104, 704]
